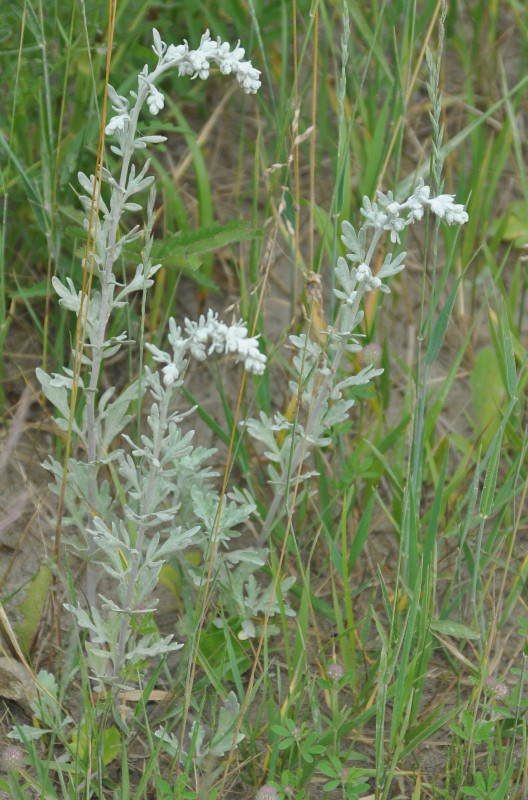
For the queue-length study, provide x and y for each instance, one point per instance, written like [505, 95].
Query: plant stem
[107, 289]
[350, 315]
[155, 468]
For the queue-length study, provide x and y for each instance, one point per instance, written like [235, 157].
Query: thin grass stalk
[4, 319]
[350, 658]
[80, 329]
[296, 168]
[342, 154]
[313, 133]
[51, 254]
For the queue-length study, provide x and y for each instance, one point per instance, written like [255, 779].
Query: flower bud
[11, 758]
[335, 672]
[267, 792]
[371, 354]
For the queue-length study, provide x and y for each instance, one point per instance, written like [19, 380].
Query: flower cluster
[392, 217]
[11, 758]
[196, 63]
[208, 335]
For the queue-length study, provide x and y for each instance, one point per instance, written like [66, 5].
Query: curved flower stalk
[397, 216]
[317, 386]
[162, 499]
[196, 63]
[224, 339]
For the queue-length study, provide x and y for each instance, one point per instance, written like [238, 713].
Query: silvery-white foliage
[322, 401]
[396, 216]
[161, 501]
[47, 709]
[201, 339]
[204, 741]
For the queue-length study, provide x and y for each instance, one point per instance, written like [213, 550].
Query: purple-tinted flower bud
[11, 758]
[267, 792]
[371, 354]
[335, 671]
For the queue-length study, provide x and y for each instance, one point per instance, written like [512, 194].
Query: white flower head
[211, 335]
[364, 275]
[444, 207]
[117, 123]
[171, 374]
[207, 46]
[393, 208]
[230, 339]
[255, 362]
[416, 207]
[248, 77]
[198, 334]
[441, 204]
[456, 214]
[421, 193]
[155, 100]
[176, 53]
[395, 225]
[226, 59]
[200, 64]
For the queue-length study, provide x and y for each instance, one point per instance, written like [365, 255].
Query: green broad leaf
[515, 223]
[330, 768]
[202, 240]
[214, 656]
[171, 580]
[171, 254]
[488, 394]
[32, 608]
[448, 627]
[490, 480]
[111, 744]
[36, 291]
[361, 533]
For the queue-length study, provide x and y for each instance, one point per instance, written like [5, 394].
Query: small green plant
[300, 739]
[349, 779]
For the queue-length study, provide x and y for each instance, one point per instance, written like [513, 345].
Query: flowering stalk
[163, 479]
[123, 126]
[355, 281]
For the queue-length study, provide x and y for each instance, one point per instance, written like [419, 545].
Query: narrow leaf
[439, 330]
[456, 629]
[509, 357]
